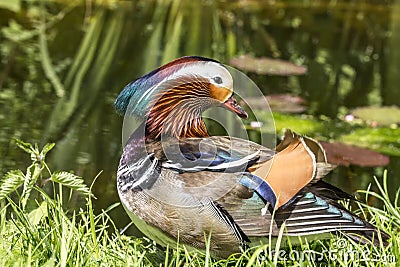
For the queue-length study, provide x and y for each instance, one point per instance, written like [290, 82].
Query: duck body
[177, 182]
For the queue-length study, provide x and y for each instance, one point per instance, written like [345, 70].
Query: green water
[63, 64]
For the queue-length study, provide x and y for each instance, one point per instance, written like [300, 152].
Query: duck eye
[217, 79]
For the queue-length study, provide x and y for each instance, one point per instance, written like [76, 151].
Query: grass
[38, 228]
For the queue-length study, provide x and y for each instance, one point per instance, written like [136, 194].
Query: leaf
[36, 215]
[383, 116]
[384, 140]
[27, 147]
[10, 182]
[343, 154]
[70, 180]
[46, 149]
[32, 174]
[302, 124]
[267, 66]
[36, 156]
[27, 189]
[284, 103]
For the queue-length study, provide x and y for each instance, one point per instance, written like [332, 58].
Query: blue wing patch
[260, 186]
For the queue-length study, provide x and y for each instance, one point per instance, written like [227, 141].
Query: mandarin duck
[178, 183]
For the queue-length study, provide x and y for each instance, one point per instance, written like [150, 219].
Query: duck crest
[134, 91]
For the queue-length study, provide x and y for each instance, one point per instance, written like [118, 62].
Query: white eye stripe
[204, 69]
[208, 70]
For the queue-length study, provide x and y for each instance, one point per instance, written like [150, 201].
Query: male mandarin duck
[177, 182]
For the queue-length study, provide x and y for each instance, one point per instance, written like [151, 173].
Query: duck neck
[180, 121]
[176, 109]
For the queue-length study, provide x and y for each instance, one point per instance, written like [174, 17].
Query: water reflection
[64, 64]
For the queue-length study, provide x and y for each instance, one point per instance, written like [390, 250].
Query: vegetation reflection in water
[63, 63]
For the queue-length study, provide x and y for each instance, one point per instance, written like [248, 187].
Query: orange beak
[232, 105]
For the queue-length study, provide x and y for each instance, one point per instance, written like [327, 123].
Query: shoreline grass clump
[38, 227]
[39, 230]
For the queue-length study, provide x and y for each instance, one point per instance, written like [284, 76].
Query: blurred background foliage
[64, 62]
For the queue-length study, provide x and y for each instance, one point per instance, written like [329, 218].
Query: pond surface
[62, 66]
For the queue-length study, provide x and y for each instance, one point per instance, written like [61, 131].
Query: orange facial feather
[220, 93]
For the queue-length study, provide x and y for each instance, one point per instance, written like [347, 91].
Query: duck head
[173, 97]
